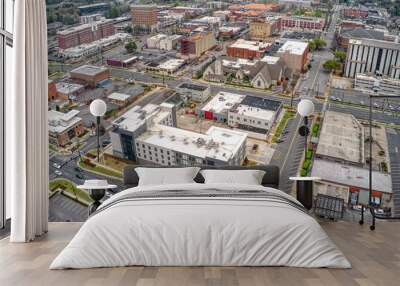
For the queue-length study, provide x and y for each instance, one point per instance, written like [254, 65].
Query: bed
[201, 224]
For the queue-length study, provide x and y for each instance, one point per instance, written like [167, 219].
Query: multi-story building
[375, 57]
[67, 90]
[154, 42]
[358, 33]
[91, 75]
[298, 3]
[302, 23]
[192, 91]
[355, 11]
[387, 85]
[144, 16]
[148, 136]
[196, 45]
[170, 42]
[247, 49]
[294, 54]
[85, 33]
[63, 127]
[255, 115]
[262, 30]
[52, 90]
[218, 107]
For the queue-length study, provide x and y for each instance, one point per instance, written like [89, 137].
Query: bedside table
[304, 190]
[97, 190]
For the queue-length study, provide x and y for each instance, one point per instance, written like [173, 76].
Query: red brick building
[355, 12]
[52, 90]
[144, 16]
[85, 33]
[91, 75]
[247, 49]
[303, 23]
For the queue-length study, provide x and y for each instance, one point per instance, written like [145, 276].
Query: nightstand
[304, 190]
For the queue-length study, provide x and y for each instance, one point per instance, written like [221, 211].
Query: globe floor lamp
[98, 108]
[370, 205]
[305, 108]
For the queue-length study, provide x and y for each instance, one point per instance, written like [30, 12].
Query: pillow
[247, 177]
[166, 176]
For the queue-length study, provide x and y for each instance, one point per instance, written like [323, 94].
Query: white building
[154, 42]
[169, 146]
[387, 85]
[170, 43]
[218, 107]
[195, 92]
[148, 135]
[170, 66]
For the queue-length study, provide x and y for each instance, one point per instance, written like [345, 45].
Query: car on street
[57, 166]
[78, 169]
[80, 176]
[58, 172]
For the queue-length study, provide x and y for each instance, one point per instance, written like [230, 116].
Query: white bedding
[200, 231]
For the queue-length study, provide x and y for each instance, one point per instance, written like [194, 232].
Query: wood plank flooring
[375, 257]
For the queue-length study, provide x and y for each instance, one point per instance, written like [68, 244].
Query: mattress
[201, 225]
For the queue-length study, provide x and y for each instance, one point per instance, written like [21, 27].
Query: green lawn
[282, 125]
[71, 190]
[99, 169]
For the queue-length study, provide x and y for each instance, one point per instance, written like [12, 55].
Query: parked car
[55, 165]
[78, 169]
[58, 172]
[80, 176]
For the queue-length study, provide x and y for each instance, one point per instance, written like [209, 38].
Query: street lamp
[98, 108]
[305, 108]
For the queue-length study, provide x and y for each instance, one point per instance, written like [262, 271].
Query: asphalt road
[394, 146]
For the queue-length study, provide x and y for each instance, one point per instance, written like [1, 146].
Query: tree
[131, 47]
[312, 45]
[340, 55]
[128, 29]
[331, 65]
[319, 43]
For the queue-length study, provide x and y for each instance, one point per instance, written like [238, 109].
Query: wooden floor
[375, 257]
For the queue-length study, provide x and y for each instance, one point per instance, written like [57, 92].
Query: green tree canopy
[340, 55]
[331, 65]
[131, 47]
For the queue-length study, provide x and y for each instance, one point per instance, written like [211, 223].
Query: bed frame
[270, 179]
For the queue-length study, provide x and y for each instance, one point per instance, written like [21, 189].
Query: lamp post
[305, 108]
[98, 108]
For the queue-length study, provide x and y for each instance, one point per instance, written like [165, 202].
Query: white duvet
[202, 232]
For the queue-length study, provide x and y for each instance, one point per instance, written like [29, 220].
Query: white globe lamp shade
[98, 107]
[305, 107]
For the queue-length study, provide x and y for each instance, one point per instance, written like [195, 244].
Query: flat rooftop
[218, 143]
[250, 45]
[294, 47]
[341, 137]
[351, 176]
[270, 60]
[68, 88]
[222, 102]
[193, 86]
[262, 103]
[171, 64]
[119, 96]
[254, 112]
[60, 122]
[89, 70]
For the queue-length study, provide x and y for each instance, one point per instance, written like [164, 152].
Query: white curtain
[26, 120]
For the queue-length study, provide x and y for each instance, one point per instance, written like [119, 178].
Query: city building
[120, 99]
[302, 23]
[192, 91]
[122, 60]
[169, 66]
[52, 90]
[144, 17]
[354, 11]
[358, 33]
[222, 14]
[67, 90]
[64, 127]
[148, 136]
[298, 3]
[85, 33]
[387, 85]
[93, 8]
[218, 107]
[294, 54]
[196, 45]
[255, 115]
[229, 31]
[154, 41]
[262, 30]
[170, 146]
[170, 42]
[91, 75]
[247, 49]
[351, 184]
[375, 57]
[87, 19]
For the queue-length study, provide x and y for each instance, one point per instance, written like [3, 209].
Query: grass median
[70, 190]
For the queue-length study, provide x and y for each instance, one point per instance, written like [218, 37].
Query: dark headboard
[271, 177]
